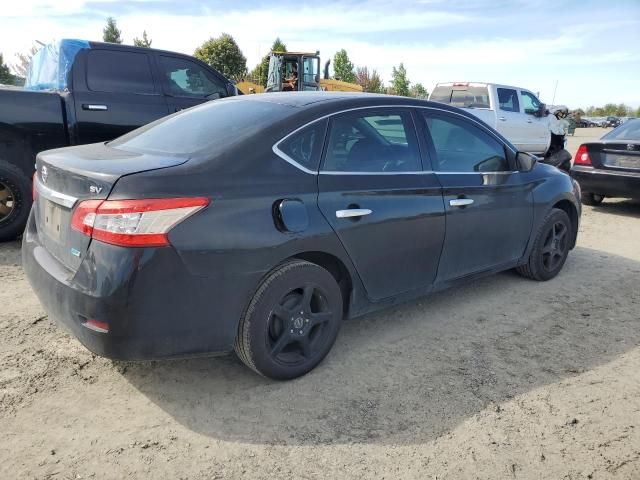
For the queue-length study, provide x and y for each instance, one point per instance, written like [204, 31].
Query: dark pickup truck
[81, 92]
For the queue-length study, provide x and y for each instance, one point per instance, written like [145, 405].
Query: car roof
[338, 99]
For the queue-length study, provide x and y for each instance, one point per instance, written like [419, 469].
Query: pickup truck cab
[515, 112]
[80, 92]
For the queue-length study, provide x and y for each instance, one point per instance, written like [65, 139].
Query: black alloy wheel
[291, 322]
[555, 246]
[550, 247]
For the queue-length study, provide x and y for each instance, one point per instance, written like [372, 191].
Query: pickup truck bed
[95, 93]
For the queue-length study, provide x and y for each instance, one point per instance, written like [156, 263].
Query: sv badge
[95, 190]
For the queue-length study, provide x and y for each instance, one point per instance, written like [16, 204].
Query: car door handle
[353, 212]
[502, 119]
[460, 202]
[93, 106]
[529, 121]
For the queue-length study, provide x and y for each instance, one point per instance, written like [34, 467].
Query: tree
[110, 33]
[638, 112]
[343, 67]
[418, 91]
[399, 81]
[21, 67]
[144, 42]
[224, 55]
[6, 77]
[370, 81]
[260, 73]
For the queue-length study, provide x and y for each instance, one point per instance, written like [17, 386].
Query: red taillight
[134, 223]
[582, 156]
[97, 326]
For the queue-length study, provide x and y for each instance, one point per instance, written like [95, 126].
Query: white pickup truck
[513, 111]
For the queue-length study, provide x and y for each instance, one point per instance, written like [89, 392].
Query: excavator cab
[293, 71]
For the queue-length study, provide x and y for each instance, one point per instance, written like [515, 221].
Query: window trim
[478, 122]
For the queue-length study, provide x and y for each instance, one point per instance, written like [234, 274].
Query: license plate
[622, 161]
[52, 220]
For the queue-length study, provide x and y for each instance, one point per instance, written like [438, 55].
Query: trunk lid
[65, 177]
[619, 155]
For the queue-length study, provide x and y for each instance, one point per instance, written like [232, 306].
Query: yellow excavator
[298, 72]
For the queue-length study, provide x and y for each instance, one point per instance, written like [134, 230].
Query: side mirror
[526, 161]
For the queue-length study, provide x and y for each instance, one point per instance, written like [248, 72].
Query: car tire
[291, 322]
[592, 199]
[550, 247]
[15, 201]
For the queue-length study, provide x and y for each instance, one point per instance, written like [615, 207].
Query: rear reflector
[134, 223]
[97, 326]
[582, 156]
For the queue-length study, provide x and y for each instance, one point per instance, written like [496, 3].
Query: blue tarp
[50, 66]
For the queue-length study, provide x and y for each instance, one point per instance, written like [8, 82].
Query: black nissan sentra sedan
[258, 223]
[610, 167]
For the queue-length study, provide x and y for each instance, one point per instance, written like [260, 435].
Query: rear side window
[303, 147]
[374, 143]
[508, 100]
[119, 72]
[461, 96]
[460, 146]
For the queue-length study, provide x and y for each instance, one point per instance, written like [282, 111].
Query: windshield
[629, 130]
[200, 128]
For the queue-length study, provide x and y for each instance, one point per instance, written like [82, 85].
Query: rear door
[116, 94]
[511, 123]
[187, 83]
[489, 206]
[386, 211]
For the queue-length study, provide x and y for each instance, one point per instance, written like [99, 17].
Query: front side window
[368, 142]
[530, 103]
[460, 146]
[508, 100]
[188, 79]
[119, 72]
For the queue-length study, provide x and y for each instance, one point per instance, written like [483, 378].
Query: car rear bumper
[153, 306]
[607, 182]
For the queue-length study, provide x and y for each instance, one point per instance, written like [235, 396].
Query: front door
[386, 211]
[489, 206]
[187, 83]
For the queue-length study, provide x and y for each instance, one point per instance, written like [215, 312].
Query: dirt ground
[504, 378]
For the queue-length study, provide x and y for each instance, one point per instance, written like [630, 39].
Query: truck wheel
[291, 322]
[592, 199]
[15, 201]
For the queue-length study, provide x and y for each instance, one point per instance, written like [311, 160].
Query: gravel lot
[504, 378]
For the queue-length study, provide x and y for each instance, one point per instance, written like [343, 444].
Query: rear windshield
[200, 128]
[629, 130]
[461, 96]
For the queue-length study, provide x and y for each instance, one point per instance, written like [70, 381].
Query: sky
[589, 49]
